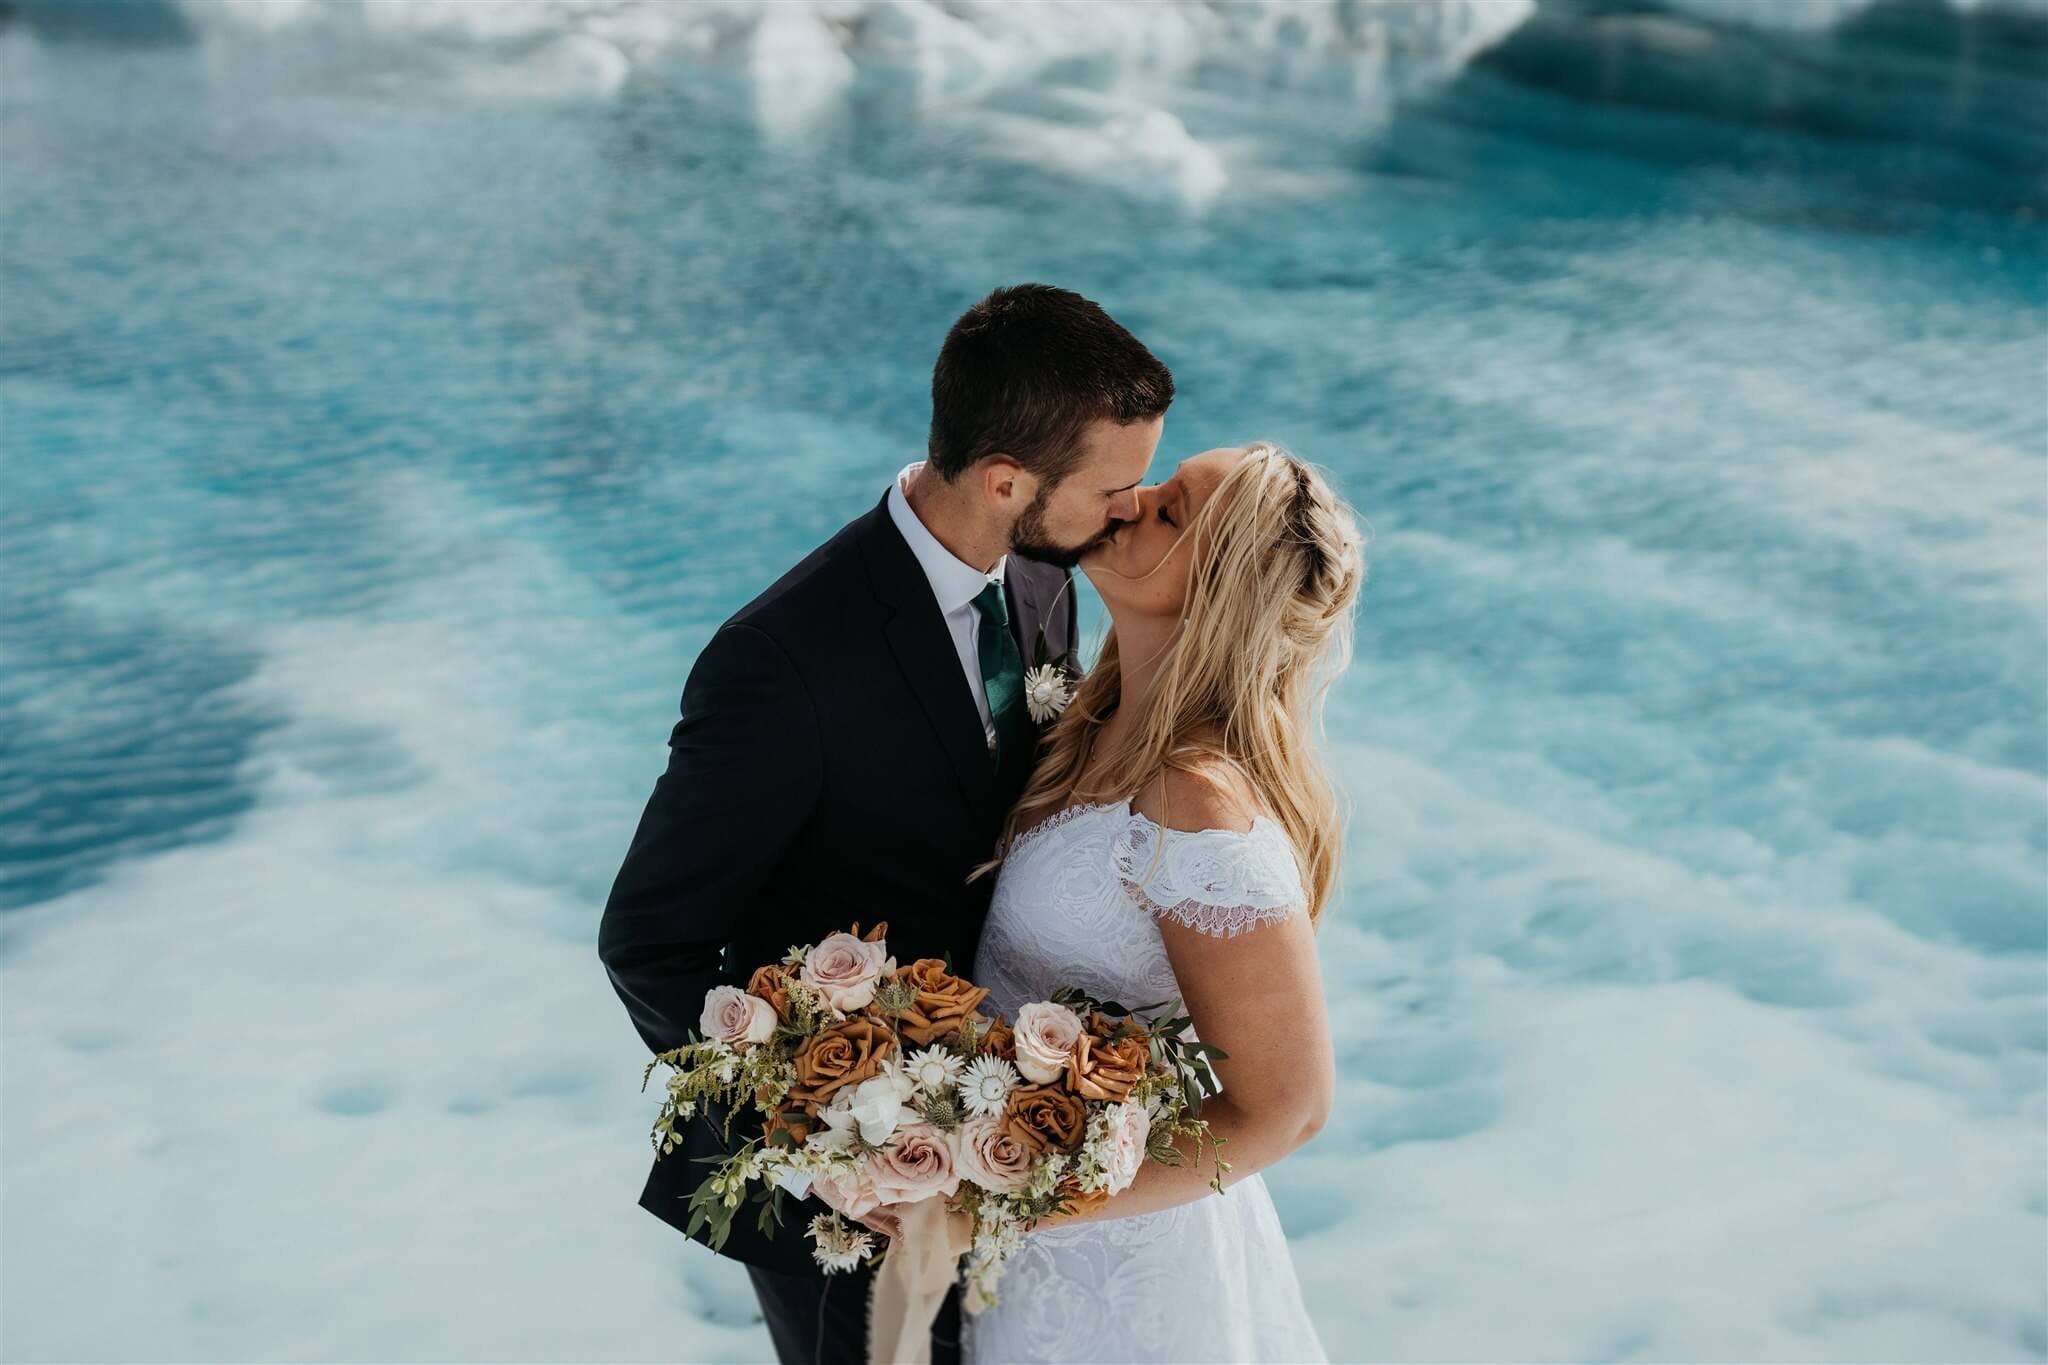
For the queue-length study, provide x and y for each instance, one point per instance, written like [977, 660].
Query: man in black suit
[851, 739]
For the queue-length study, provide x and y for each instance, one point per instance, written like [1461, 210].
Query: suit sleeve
[744, 770]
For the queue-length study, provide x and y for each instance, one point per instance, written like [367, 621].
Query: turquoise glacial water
[388, 414]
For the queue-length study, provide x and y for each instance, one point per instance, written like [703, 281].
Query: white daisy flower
[987, 1084]
[935, 1069]
[1045, 692]
[840, 1246]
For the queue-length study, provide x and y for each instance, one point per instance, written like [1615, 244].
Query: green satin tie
[1002, 667]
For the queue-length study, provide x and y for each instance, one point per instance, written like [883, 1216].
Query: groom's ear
[1007, 484]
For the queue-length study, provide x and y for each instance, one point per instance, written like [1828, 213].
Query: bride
[1179, 839]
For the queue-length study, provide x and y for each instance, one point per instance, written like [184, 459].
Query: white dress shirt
[955, 583]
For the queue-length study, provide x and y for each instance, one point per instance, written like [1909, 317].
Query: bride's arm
[1258, 995]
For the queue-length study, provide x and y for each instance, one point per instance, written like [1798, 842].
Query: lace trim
[1058, 818]
[1217, 881]
[1223, 921]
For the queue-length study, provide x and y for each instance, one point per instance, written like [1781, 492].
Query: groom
[852, 738]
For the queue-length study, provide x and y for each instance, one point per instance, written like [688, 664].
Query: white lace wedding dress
[1210, 1280]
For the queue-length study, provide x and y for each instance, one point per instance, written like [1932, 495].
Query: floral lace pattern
[1080, 900]
[1219, 881]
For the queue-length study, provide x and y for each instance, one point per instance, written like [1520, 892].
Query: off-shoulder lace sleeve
[1220, 881]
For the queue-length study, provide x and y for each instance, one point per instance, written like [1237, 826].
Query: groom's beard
[1028, 537]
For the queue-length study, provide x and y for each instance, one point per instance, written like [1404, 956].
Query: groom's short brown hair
[1024, 371]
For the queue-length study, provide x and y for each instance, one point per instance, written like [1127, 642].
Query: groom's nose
[1124, 506]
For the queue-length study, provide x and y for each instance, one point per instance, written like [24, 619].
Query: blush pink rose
[1129, 1126]
[990, 1157]
[1045, 1036]
[917, 1163]
[846, 970]
[848, 1188]
[732, 1016]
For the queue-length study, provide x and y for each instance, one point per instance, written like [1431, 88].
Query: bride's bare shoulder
[1201, 793]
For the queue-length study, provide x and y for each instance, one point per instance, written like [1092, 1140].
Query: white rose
[876, 1108]
[845, 970]
[734, 1018]
[1129, 1126]
[1045, 1035]
[837, 1131]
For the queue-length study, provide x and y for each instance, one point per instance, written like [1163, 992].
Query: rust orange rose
[1045, 1118]
[1000, 1040]
[771, 983]
[847, 1053]
[1079, 1200]
[1100, 1069]
[797, 1121]
[943, 1000]
[1102, 1025]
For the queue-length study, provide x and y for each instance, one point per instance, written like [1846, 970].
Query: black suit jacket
[829, 766]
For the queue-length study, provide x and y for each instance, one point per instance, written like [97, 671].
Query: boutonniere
[1047, 688]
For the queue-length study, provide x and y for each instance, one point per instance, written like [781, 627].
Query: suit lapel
[1030, 597]
[924, 650]
[1023, 617]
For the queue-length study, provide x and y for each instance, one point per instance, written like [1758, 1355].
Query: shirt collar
[954, 581]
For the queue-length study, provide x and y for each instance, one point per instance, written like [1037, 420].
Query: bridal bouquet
[887, 1089]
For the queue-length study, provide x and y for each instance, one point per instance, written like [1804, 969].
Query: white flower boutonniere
[1046, 693]
[1047, 689]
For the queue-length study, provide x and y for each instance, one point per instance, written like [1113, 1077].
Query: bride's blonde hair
[1277, 564]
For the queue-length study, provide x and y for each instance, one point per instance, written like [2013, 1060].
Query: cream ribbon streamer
[911, 1283]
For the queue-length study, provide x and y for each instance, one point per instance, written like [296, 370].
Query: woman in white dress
[1179, 839]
